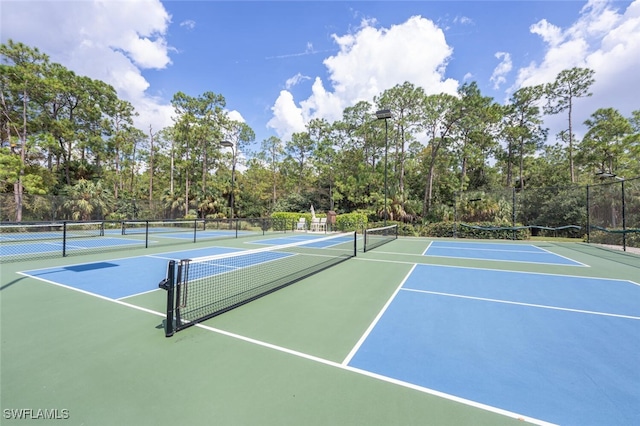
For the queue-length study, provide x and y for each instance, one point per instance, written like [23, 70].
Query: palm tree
[87, 200]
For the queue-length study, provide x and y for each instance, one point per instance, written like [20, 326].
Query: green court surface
[71, 357]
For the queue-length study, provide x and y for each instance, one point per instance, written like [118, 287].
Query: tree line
[71, 136]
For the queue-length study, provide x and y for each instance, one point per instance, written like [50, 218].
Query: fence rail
[606, 213]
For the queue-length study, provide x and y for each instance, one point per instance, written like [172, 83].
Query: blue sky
[281, 63]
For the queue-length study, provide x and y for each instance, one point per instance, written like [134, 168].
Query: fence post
[455, 214]
[588, 217]
[513, 213]
[624, 222]
[64, 238]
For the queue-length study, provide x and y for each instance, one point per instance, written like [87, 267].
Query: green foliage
[293, 202]
[431, 158]
[437, 230]
[406, 229]
[476, 230]
[284, 220]
[351, 222]
[88, 200]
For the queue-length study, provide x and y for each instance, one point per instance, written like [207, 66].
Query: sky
[280, 64]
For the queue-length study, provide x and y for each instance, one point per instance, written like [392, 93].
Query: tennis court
[416, 331]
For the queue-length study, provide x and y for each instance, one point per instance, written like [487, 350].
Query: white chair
[315, 223]
[323, 224]
[302, 224]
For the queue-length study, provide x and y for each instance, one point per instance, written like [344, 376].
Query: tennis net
[132, 227]
[201, 288]
[50, 231]
[376, 237]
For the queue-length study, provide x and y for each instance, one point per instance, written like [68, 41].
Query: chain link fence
[38, 240]
[605, 213]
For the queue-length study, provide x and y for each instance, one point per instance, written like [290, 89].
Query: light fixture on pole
[229, 144]
[385, 114]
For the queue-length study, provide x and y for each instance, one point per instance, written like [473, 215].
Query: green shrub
[451, 229]
[489, 231]
[351, 222]
[288, 220]
[437, 230]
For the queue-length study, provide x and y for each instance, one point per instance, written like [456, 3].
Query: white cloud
[603, 39]
[504, 67]
[287, 117]
[295, 80]
[189, 24]
[551, 34]
[235, 116]
[370, 61]
[463, 20]
[112, 41]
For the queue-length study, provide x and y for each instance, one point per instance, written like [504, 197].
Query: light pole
[605, 175]
[385, 114]
[229, 144]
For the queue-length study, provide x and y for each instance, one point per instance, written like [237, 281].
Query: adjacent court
[497, 252]
[535, 344]
[503, 333]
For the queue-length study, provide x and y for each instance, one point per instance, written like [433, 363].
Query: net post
[237, 224]
[355, 243]
[180, 280]
[364, 234]
[122, 227]
[146, 234]
[195, 229]
[64, 238]
[169, 284]
[102, 228]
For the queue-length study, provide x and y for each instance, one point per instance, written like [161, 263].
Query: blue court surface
[119, 278]
[126, 277]
[188, 234]
[561, 349]
[56, 246]
[497, 251]
[300, 238]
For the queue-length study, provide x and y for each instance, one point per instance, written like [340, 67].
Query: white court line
[539, 250]
[427, 249]
[533, 305]
[140, 308]
[494, 269]
[355, 349]
[380, 377]
[314, 358]
[579, 265]
[138, 294]
[159, 257]
[155, 256]
[491, 249]
[549, 251]
[318, 359]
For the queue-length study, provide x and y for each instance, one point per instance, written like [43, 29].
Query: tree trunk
[571, 168]
[150, 165]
